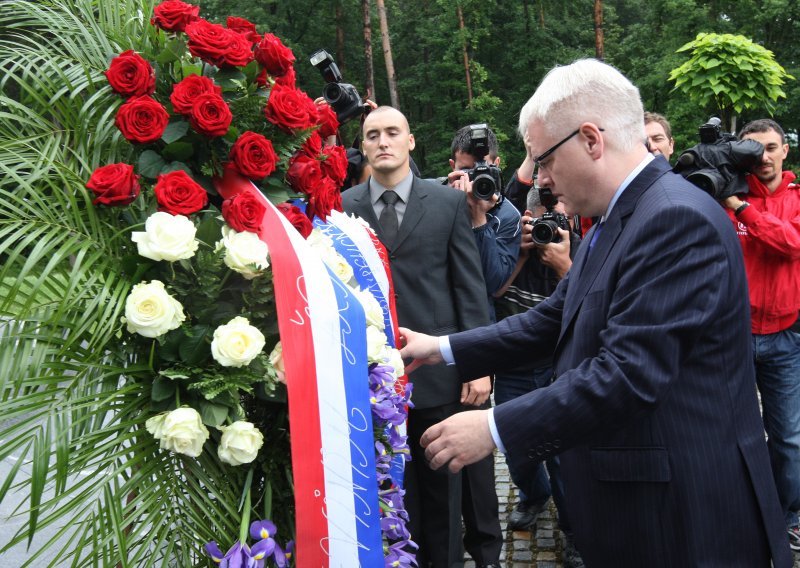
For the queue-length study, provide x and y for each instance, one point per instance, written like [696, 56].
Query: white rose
[392, 357]
[155, 425]
[240, 443]
[150, 311]
[236, 343]
[339, 265]
[319, 240]
[376, 341]
[245, 252]
[372, 309]
[183, 432]
[167, 237]
[276, 360]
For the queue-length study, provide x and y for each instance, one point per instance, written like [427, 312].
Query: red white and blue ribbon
[323, 334]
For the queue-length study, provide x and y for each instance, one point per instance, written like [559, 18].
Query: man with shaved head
[652, 406]
[439, 288]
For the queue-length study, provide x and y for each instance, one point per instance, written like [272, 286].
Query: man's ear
[452, 164]
[593, 139]
[496, 161]
[411, 142]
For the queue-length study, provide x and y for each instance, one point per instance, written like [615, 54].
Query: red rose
[244, 27]
[186, 92]
[312, 147]
[253, 155]
[287, 80]
[324, 199]
[174, 15]
[210, 115]
[218, 45]
[328, 123]
[178, 194]
[142, 119]
[304, 174]
[130, 75]
[244, 212]
[114, 185]
[334, 165]
[275, 57]
[297, 218]
[290, 109]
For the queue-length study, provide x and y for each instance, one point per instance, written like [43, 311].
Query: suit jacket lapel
[363, 208]
[415, 210]
[581, 281]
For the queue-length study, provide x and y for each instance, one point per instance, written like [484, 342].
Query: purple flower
[284, 557]
[263, 529]
[394, 527]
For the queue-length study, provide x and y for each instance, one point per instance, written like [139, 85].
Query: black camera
[718, 164]
[343, 97]
[545, 228]
[485, 177]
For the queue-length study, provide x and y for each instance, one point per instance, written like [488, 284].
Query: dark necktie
[596, 235]
[388, 218]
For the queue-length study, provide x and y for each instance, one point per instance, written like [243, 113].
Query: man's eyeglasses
[537, 161]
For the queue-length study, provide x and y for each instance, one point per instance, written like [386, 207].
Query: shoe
[571, 558]
[523, 517]
[489, 565]
[794, 538]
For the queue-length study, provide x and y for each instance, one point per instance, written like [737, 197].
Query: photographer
[659, 135]
[495, 221]
[767, 221]
[538, 271]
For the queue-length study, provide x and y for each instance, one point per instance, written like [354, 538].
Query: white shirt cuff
[445, 350]
[493, 430]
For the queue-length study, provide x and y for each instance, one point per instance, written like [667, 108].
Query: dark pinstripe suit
[654, 406]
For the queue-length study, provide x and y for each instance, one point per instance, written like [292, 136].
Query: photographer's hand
[556, 255]
[733, 202]
[475, 393]
[526, 243]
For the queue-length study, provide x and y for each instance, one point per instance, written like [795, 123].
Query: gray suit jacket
[437, 275]
[654, 405]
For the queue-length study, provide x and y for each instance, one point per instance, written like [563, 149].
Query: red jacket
[769, 232]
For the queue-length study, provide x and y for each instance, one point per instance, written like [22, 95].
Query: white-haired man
[653, 406]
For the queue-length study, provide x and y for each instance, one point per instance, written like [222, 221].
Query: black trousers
[433, 498]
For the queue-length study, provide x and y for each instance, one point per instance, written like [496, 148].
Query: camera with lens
[485, 177]
[545, 228]
[718, 164]
[343, 97]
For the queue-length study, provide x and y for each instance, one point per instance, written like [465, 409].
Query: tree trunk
[598, 29]
[387, 53]
[541, 14]
[369, 69]
[340, 51]
[464, 52]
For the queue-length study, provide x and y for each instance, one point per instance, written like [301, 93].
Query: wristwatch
[741, 208]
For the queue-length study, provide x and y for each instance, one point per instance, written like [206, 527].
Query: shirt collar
[626, 182]
[402, 189]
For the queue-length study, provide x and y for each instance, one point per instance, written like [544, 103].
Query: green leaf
[178, 151]
[229, 78]
[209, 231]
[175, 131]
[195, 349]
[163, 389]
[150, 164]
[213, 414]
[175, 166]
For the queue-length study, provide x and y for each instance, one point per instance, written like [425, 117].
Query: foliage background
[512, 43]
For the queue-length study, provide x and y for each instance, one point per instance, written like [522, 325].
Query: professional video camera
[545, 228]
[485, 177]
[717, 164]
[343, 97]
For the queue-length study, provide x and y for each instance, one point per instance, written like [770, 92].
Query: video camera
[485, 177]
[718, 164]
[545, 228]
[343, 97]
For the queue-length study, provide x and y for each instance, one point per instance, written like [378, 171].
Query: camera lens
[545, 231]
[483, 187]
[332, 93]
[710, 181]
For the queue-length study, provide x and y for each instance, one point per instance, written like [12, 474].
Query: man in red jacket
[768, 225]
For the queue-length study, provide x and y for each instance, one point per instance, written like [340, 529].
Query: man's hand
[475, 393]
[424, 349]
[556, 255]
[733, 202]
[477, 207]
[526, 242]
[462, 439]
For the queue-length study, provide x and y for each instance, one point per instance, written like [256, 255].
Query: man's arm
[781, 236]
[498, 243]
